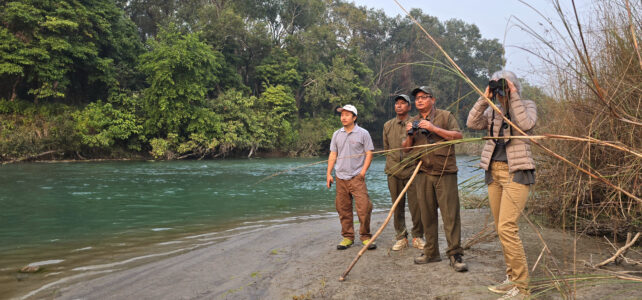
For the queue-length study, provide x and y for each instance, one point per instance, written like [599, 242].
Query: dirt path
[299, 261]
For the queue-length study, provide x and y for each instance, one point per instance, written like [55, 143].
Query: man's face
[423, 101]
[402, 107]
[347, 118]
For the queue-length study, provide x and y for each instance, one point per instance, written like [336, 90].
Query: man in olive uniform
[436, 183]
[399, 168]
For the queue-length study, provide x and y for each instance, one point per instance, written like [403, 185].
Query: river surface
[70, 218]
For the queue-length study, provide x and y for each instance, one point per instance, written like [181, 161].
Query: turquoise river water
[68, 217]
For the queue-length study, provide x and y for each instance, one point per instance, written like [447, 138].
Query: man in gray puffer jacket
[510, 171]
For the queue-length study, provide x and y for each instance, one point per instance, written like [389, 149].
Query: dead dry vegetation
[589, 140]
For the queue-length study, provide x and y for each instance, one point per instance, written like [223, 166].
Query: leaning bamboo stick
[374, 237]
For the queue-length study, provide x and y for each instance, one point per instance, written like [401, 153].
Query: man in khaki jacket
[436, 183]
[399, 168]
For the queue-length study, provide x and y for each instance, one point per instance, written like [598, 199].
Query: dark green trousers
[396, 185]
[439, 192]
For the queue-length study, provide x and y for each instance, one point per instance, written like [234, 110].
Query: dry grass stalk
[577, 110]
[610, 105]
[541, 253]
[487, 233]
[508, 121]
[632, 28]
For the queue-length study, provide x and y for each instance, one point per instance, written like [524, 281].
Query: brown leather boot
[423, 259]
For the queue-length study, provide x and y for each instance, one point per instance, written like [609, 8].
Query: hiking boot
[513, 294]
[345, 244]
[503, 287]
[400, 244]
[423, 259]
[458, 263]
[371, 246]
[418, 243]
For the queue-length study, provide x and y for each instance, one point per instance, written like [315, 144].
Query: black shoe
[423, 259]
[458, 263]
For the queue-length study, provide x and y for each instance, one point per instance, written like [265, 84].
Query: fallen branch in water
[28, 157]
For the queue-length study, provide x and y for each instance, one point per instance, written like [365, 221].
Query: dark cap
[424, 89]
[402, 97]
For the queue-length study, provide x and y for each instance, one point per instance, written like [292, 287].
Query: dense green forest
[201, 79]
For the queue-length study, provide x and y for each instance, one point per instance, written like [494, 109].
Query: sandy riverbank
[299, 261]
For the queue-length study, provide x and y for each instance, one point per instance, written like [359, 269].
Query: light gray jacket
[518, 151]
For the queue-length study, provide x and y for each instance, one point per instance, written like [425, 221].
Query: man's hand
[408, 126]
[329, 180]
[425, 124]
[361, 176]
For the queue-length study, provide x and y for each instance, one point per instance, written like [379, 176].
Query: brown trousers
[507, 200]
[439, 192]
[346, 191]
[396, 185]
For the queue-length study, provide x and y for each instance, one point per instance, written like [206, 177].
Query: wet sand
[300, 261]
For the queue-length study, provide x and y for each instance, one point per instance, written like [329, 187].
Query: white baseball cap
[349, 108]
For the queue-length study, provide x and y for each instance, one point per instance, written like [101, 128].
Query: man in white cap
[350, 156]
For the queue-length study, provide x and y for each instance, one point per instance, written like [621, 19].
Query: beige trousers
[507, 200]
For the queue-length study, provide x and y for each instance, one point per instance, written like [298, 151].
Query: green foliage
[279, 69]
[251, 122]
[100, 125]
[217, 77]
[342, 83]
[276, 109]
[181, 71]
[64, 49]
[160, 148]
[314, 135]
[29, 130]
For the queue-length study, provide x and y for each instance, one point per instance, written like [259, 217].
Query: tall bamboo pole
[374, 237]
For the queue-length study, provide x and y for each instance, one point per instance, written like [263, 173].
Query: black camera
[415, 128]
[498, 87]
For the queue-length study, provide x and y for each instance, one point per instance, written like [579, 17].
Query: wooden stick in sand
[374, 237]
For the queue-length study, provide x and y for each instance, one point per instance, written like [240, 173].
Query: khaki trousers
[396, 185]
[507, 200]
[346, 191]
[439, 192]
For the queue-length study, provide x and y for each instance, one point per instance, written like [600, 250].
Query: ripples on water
[53, 212]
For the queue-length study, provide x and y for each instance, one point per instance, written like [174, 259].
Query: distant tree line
[198, 78]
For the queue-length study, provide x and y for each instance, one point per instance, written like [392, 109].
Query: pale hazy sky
[495, 19]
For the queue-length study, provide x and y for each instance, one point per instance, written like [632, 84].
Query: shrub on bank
[30, 130]
[602, 102]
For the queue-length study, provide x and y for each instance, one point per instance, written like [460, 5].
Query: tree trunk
[252, 149]
[13, 90]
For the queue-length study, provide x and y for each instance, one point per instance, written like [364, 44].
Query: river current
[69, 218]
